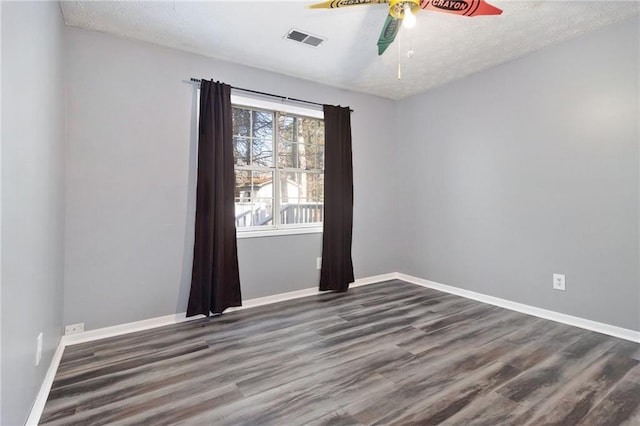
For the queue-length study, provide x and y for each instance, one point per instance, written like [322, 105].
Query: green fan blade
[388, 34]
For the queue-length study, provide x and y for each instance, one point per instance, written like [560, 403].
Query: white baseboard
[374, 279]
[131, 327]
[611, 330]
[267, 300]
[120, 329]
[311, 291]
[45, 388]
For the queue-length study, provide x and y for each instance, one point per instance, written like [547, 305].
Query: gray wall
[131, 182]
[528, 169]
[33, 108]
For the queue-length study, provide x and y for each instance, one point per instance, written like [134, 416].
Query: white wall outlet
[318, 263]
[39, 349]
[558, 282]
[74, 328]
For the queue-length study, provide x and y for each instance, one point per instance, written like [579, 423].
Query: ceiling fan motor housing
[396, 7]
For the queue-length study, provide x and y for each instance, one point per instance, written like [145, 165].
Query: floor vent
[304, 38]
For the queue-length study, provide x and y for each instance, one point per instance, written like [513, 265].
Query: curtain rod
[284, 98]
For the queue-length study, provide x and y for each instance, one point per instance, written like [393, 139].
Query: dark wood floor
[389, 353]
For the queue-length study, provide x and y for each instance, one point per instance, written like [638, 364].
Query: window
[279, 168]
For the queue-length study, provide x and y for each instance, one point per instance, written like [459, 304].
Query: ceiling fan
[404, 11]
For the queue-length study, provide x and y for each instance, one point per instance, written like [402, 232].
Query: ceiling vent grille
[304, 38]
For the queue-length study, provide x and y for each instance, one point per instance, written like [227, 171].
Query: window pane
[262, 152]
[315, 187]
[315, 157]
[241, 122]
[311, 130]
[301, 156]
[292, 155]
[284, 154]
[286, 126]
[263, 125]
[311, 134]
[241, 154]
[300, 142]
[254, 198]
[301, 196]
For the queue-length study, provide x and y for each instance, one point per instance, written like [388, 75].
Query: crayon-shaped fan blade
[461, 7]
[388, 34]
[332, 4]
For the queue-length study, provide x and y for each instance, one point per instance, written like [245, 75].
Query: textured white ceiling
[446, 47]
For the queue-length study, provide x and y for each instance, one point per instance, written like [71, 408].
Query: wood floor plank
[537, 382]
[619, 406]
[438, 404]
[490, 410]
[389, 353]
[634, 374]
[588, 388]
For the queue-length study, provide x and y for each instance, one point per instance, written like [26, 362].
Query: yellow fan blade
[332, 4]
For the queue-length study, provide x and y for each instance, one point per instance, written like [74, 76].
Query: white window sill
[282, 232]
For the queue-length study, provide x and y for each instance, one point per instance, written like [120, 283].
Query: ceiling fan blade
[332, 4]
[388, 34]
[461, 7]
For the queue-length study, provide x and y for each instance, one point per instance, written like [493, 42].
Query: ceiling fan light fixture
[398, 8]
[409, 20]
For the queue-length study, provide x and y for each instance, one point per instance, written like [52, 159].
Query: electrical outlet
[74, 328]
[39, 349]
[318, 263]
[558, 282]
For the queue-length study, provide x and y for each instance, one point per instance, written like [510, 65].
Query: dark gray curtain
[215, 281]
[337, 265]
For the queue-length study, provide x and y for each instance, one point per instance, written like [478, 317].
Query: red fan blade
[461, 7]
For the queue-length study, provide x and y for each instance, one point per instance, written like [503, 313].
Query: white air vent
[304, 38]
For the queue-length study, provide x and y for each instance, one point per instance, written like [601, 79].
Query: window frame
[256, 103]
